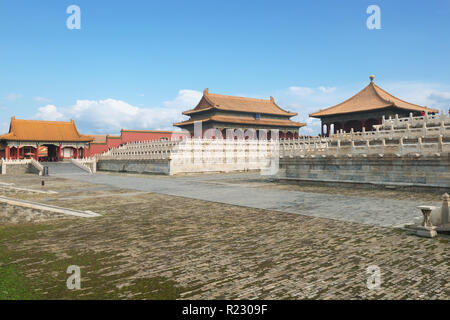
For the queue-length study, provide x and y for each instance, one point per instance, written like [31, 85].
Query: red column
[328, 129]
[17, 153]
[343, 126]
[363, 124]
[59, 153]
[321, 129]
[36, 153]
[8, 153]
[75, 153]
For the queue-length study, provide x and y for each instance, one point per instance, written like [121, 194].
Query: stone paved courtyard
[386, 209]
[149, 245]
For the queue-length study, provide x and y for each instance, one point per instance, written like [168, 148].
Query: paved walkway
[371, 211]
[63, 168]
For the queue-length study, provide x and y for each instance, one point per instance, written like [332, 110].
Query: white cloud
[301, 91]
[111, 115]
[327, 89]
[49, 112]
[41, 99]
[13, 96]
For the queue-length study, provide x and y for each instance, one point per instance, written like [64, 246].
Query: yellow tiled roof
[245, 120]
[372, 97]
[240, 104]
[37, 130]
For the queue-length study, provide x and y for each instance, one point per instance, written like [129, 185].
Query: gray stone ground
[219, 188]
[212, 250]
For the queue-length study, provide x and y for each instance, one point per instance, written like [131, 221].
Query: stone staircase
[63, 168]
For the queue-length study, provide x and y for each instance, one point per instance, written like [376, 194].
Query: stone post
[426, 229]
[400, 146]
[440, 144]
[445, 210]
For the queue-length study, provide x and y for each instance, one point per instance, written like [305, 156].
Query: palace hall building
[221, 114]
[43, 140]
[366, 109]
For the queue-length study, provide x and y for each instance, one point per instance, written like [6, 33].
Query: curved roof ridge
[371, 97]
[348, 100]
[374, 87]
[396, 98]
[44, 130]
[239, 97]
[239, 104]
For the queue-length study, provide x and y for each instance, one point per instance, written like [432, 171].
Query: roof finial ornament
[206, 91]
[272, 99]
[371, 78]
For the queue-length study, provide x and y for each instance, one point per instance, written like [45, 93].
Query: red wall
[132, 136]
[128, 136]
[96, 148]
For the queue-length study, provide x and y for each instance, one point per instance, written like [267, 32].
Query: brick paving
[378, 211]
[213, 250]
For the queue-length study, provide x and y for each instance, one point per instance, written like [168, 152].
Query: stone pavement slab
[371, 211]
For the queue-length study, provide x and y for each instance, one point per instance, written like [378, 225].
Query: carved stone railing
[86, 164]
[4, 163]
[201, 155]
[400, 146]
[38, 166]
[429, 119]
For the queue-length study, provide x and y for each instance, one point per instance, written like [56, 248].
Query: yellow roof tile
[37, 130]
[372, 97]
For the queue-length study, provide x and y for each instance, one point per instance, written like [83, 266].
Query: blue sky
[138, 64]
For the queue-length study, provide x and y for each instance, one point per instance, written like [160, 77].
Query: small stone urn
[426, 229]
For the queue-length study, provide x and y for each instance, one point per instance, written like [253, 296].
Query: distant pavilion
[366, 109]
[220, 113]
[43, 140]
